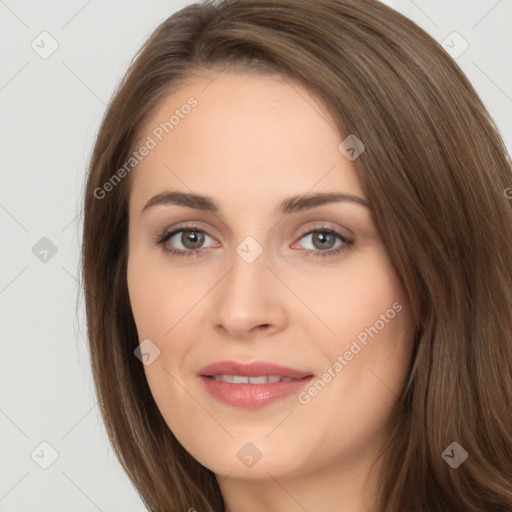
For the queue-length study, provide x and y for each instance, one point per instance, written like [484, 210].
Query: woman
[295, 258]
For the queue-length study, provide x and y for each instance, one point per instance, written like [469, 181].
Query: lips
[252, 385]
[256, 369]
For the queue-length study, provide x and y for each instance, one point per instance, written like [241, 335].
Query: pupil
[326, 240]
[192, 239]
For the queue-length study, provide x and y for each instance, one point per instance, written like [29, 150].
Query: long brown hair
[435, 171]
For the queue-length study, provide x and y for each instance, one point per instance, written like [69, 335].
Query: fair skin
[251, 142]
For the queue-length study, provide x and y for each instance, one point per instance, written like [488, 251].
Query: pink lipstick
[251, 386]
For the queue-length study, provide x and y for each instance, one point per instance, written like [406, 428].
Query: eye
[185, 241]
[324, 242]
[192, 241]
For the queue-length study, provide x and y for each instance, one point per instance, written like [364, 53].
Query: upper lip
[255, 369]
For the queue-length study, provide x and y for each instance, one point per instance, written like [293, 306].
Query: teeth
[264, 379]
[225, 378]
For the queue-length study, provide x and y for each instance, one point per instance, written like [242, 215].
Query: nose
[249, 301]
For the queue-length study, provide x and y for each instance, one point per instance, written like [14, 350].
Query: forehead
[243, 135]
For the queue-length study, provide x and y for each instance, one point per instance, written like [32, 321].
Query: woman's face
[277, 262]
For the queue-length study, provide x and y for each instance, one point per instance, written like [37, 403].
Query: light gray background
[50, 113]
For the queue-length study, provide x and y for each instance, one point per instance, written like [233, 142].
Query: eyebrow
[289, 205]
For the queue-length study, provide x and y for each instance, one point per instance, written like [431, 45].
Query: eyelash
[347, 242]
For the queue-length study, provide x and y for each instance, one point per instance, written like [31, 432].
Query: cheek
[366, 294]
[160, 305]
[158, 298]
[148, 305]
[370, 315]
[165, 306]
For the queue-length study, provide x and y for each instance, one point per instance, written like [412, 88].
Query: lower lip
[252, 396]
